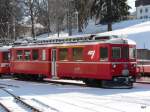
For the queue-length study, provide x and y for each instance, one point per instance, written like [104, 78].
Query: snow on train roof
[115, 40]
[5, 48]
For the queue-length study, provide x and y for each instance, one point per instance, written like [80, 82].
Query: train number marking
[91, 53]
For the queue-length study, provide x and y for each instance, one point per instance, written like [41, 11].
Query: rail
[18, 99]
[4, 107]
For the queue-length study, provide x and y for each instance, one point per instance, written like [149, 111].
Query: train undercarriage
[116, 82]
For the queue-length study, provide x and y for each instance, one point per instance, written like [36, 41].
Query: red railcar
[35, 61]
[4, 60]
[105, 61]
[143, 61]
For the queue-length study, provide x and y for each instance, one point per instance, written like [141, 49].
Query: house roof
[142, 2]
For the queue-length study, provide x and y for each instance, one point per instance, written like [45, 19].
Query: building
[142, 9]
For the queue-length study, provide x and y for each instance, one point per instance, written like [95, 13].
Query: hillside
[137, 30]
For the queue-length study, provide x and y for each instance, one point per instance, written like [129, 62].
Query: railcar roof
[110, 41]
[5, 48]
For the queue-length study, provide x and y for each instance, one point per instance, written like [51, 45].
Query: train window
[77, 53]
[43, 54]
[6, 56]
[104, 53]
[125, 52]
[116, 52]
[63, 52]
[35, 54]
[19, 55]
[132, 53]
[27, 54]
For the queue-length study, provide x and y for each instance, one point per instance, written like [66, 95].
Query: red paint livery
[105, 61]
[4, 60]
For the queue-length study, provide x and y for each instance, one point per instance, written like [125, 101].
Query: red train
[4, 60]
[102, 60]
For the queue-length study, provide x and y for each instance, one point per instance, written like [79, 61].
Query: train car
[31, 62]
[109, 62]
[4, 60]
[143, 61]
[103, 60]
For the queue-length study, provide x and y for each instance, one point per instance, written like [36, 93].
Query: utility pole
[70, 12]
[14, 20]
[77, 17]
[49, 24]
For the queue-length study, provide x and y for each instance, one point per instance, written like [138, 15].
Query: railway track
[4, 107]
[20, 101]
[8, 85]
[143, 80]
[59, 82]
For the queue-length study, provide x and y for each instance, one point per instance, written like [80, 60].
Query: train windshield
[123, 52]
[116, 52]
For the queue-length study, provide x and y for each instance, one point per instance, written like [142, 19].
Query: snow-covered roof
[5, 48]
[92, 42]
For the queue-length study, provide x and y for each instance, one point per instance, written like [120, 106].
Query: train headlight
[114, 65]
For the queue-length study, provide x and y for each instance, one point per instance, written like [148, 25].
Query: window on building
[43, 54]
[35, 54]
[146, 10]
[77, 53]
[146, 17]
[63, 53]
[19, 55]
[6, 56]
[104, 53]
[141, 11]
[27, 54]
[116, 52]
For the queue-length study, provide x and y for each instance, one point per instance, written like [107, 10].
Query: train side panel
[88, 67]
[40, 66]
[4, 62]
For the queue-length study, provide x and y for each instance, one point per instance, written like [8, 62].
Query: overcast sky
[132, 4]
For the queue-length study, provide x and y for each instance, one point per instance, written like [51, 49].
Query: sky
[132, 4]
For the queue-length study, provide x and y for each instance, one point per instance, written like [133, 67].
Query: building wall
[143, 12]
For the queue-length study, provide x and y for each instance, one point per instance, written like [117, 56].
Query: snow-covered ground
[66, 98]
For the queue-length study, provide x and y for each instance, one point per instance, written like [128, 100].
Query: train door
[53, 67]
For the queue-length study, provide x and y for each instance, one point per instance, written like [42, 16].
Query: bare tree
[31, 11]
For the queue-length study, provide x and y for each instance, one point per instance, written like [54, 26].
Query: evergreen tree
[110, 11]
